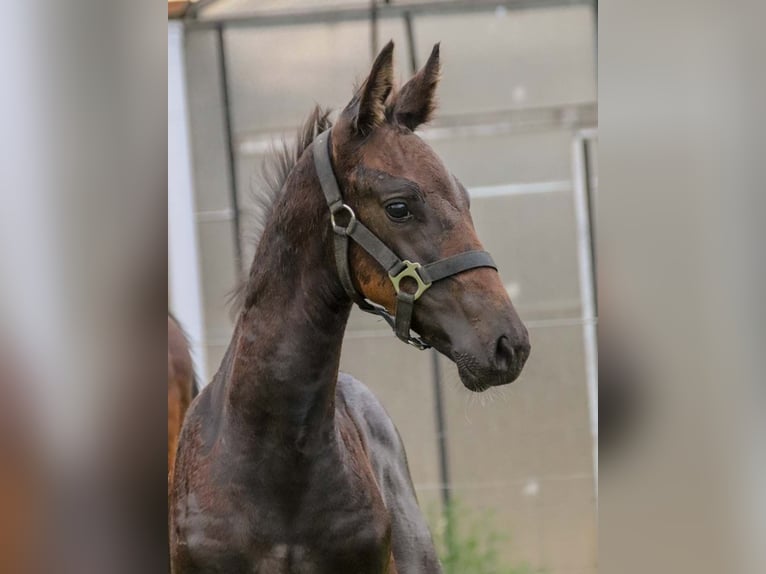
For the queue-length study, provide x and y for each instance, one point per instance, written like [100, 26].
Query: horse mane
[274, 171]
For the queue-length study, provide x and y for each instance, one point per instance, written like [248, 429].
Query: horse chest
[333, 532]
[307, 552]
[336, 524]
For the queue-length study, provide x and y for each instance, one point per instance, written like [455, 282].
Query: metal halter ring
[410, 270]
[352, 220]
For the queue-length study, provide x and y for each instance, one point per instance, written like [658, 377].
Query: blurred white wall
[185, 299]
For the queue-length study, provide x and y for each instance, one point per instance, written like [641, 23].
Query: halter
[397, 269]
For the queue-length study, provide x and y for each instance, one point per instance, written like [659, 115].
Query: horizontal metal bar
[197, 6]
[565, 116]
[588, 134]
[520, 189]
[577, 117]
[324, 15]
[506, 483]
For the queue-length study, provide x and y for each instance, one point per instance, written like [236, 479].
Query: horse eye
[398, 211]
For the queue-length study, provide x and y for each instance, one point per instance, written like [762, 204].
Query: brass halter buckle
[410, 270]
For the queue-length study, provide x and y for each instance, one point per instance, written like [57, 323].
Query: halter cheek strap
[398, 270]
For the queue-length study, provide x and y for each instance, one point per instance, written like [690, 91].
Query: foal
[285, 466]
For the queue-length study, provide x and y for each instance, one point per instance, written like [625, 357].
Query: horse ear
[368, 106]
[416, 101]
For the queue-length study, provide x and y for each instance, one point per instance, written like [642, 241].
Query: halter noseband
[397, 269]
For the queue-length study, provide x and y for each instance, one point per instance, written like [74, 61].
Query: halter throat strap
[397, 269]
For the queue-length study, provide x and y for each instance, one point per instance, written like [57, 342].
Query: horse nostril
[503, 354]
[522, 351]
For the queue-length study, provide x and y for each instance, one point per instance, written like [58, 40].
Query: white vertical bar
[587, 291]
[184, 278]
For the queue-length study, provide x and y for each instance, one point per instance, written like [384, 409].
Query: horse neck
[287, 342]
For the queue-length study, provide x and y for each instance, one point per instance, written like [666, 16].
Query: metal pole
[441, 440]
[590, 201]
[410, 42]
[595, 35]
[374, 27]
[585, 258]
[441, 430]
[229, 140]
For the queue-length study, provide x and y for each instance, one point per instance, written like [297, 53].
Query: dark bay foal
[285, 466]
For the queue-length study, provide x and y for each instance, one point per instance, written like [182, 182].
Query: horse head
[398, 186]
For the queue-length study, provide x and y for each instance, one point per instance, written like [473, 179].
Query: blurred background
[516, 124]
[85, 174]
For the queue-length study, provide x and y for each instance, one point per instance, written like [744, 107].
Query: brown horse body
[181, 387]
[23, 489]
[285, 466]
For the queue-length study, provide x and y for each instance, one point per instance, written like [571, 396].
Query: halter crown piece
[397, 269]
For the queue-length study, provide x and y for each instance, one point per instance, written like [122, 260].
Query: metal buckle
[351, 222]
[410, 270]
[417, 343]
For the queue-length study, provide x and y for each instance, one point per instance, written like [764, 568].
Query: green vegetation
[469, 543]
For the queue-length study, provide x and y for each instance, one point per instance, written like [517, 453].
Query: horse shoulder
[203, 525]
[412, 544]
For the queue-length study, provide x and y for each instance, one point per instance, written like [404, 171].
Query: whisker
[491, 395]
